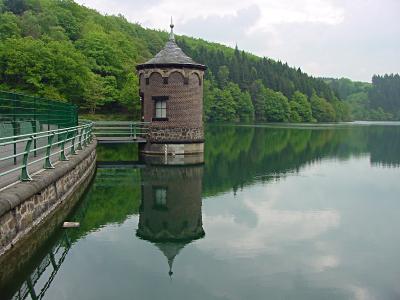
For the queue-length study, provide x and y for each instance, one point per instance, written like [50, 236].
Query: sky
[330, 38]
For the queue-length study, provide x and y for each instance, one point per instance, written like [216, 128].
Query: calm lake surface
[276, 212]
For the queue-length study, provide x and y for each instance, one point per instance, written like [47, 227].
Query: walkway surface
[8, 164]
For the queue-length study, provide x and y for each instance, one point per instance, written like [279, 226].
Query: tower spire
[171, 35]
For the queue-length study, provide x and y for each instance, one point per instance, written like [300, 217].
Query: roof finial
[171, 35]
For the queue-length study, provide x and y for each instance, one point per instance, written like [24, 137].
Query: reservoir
[275, 212]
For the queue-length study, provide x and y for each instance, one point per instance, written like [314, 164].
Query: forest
[67, 52]
[376, 101]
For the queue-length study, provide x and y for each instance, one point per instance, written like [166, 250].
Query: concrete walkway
[8, 164]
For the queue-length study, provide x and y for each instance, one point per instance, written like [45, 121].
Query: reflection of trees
[237, 156]
[117, 152]
[114, 195]
[384, 145]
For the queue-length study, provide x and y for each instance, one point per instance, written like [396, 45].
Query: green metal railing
[121, 129]
[22, 114]
[41, 146]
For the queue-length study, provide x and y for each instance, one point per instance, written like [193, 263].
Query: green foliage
[258, 92]
[377, 101]
[322, 110]
[223, 76]
[385, 93]
[54, 70]
[9, 26]
[277, 107]
[342, 110]
[59, 49]
[300, 108]
[222, 106]
[344, 87]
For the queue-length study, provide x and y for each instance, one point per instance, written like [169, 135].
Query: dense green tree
[222, 106]
[277, 107]
[294, 112]
[257, 91]
[342, 111]
[53, 69]
[130, 94]
[9, 26]
[300, 108]
[223, 76]
[2, 6]
[385, 93]
[322, 110]
[30, 25]
[243, 105]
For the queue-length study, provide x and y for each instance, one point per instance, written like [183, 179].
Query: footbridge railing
[23, 154]
[120, 131]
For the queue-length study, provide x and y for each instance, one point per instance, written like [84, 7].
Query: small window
[160, 108]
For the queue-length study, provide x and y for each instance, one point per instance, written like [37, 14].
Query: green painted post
[84, 144]
[24, 172]
[90, 133]
[80, 140]
[14, 126]
[134, 131]
[47, 162]
[62, 154]
[73, 152]
[34, 126]
[53, 260]
[31, 288]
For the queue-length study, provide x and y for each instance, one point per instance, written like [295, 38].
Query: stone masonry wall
[159, 134]
[24, 206]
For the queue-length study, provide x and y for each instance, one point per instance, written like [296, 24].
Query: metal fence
[22, 114]
[36, 151]
[120, 130]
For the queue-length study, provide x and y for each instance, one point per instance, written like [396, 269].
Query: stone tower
[171, 89]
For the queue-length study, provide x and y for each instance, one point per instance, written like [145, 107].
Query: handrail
[121, 129]
[71, 138]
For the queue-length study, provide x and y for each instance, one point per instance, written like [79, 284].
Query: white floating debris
[71, 224]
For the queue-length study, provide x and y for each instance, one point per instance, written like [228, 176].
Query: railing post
[80, 140]
[73, 152]
[89, 135]
[84, 142]
[31, 288]
[47, 162]
[34, 126]
[134, 131]
[62, 154]
[14, 127]
[24, 172]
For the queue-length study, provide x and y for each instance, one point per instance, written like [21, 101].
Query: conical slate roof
[171, 56]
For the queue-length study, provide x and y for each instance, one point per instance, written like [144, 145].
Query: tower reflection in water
[170, 212]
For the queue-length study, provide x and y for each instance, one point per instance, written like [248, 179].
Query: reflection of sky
[327, 233]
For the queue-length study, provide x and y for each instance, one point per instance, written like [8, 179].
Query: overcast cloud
[331, 38]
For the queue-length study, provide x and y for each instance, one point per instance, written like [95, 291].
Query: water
[276, 212]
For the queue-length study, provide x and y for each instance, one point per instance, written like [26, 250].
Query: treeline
[379, 101]
[61, 50]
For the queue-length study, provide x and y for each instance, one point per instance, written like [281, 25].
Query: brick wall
[184, 87]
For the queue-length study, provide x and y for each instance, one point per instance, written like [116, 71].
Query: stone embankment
[27, 207]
